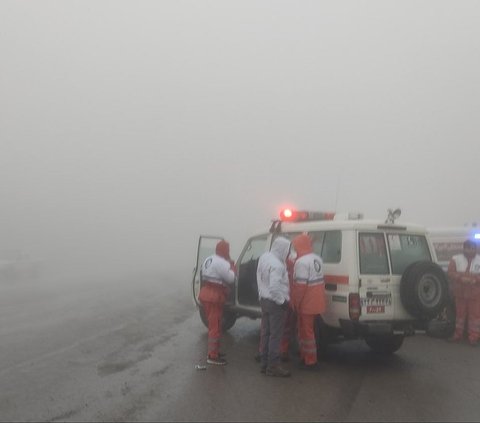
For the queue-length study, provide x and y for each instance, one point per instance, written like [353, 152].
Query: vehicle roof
[361, 224]
[348, 224]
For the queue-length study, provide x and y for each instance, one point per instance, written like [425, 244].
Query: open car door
[206, 247]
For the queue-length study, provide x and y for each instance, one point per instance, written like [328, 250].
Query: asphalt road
[125, 350]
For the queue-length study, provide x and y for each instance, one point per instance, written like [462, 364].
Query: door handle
[385, 280]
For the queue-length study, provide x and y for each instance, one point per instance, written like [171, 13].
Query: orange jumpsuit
[308, 295]
[217, 274]
[464, 272]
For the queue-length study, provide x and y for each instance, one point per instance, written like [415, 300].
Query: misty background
[127, 129]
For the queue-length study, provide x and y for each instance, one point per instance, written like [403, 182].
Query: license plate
[376, 309]
[377, 299]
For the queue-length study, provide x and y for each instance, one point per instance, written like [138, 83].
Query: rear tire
[228, 319]
[386, 344]
[443, 325]
[424, 289]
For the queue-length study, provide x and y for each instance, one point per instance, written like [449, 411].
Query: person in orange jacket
[308, 297]
[464, 273]
[217, 275]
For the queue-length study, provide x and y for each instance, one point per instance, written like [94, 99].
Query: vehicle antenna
[336, 193]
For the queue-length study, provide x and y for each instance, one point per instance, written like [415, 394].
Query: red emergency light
[290, 215]
[286, 214]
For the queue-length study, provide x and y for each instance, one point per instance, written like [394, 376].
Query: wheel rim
[429, 290]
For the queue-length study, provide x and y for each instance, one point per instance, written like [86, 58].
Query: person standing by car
[464, 272]
[274, 295]
[217, 275]
[289, 329]
[308, 297]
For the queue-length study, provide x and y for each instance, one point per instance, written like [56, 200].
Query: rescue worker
[290, 322]
[464, 273]
[308, 297]
[273, 292]
[217, 275]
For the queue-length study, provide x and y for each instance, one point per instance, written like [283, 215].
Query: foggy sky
[129, 128]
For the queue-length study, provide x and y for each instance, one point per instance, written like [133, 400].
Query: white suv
[381, 279]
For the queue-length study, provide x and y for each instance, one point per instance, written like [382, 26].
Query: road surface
[125, 349]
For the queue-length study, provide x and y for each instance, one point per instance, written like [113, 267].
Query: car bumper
[358, 329]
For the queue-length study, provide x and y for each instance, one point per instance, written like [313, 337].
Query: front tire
[387, 344]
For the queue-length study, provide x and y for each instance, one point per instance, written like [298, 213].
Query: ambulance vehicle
[381, 278]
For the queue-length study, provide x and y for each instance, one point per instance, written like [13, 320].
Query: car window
[328, 245]
[406, 249]
[254, 249]
[332, 247]
[317, 241]
[373, 254]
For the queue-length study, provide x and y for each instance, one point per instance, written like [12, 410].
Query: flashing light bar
[286, 214]
[289, 215]
[477, 236]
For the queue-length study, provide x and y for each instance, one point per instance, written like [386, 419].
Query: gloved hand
[285, 305]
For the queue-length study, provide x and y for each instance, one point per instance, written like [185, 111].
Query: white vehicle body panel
[364, 261]
[345, 278]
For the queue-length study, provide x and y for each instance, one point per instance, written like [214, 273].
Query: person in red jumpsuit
[464, 274]
[217, 276]
[308, 297]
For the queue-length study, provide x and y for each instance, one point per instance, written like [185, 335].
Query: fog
[128, 129]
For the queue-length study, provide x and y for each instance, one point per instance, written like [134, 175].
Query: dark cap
[469, 243]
